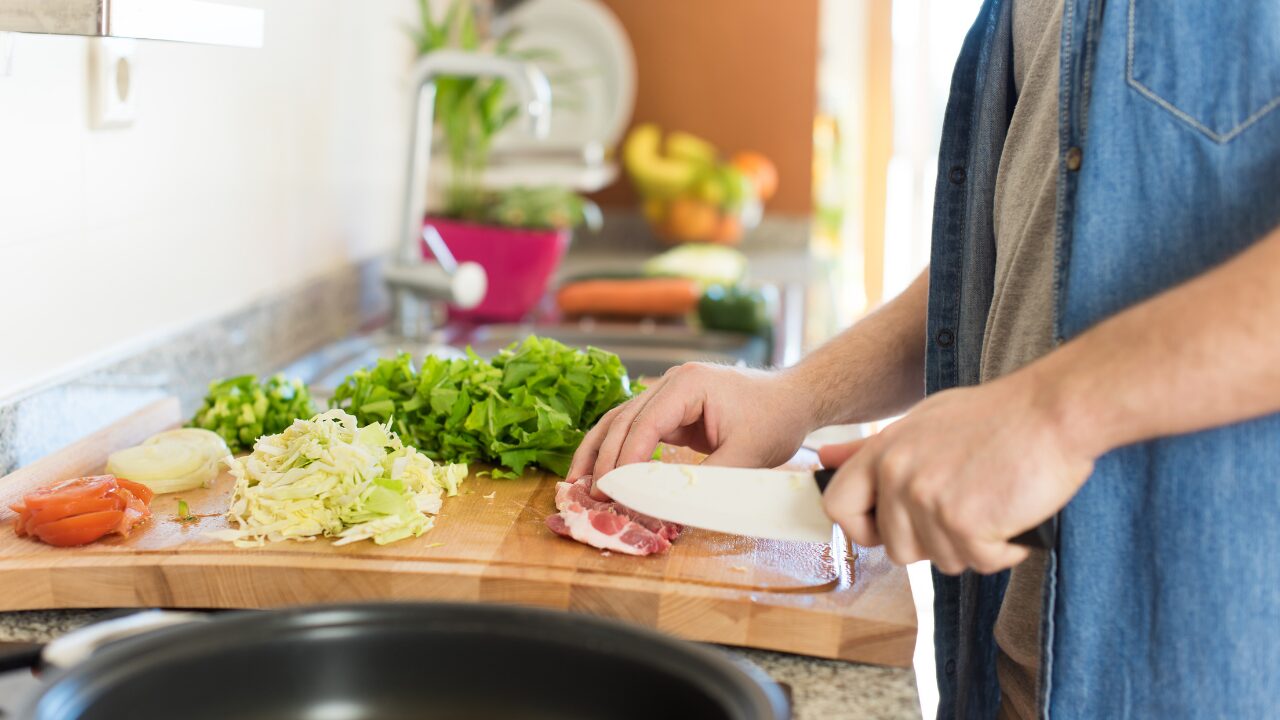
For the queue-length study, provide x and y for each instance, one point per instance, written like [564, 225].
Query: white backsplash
[245, 173]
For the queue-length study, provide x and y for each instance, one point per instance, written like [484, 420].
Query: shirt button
[950, 667]
[1074, 158]
[957, 175]
[945, 338]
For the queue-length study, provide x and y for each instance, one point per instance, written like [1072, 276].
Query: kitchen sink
[646, 349]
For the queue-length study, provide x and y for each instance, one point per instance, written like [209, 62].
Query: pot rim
[718, 676]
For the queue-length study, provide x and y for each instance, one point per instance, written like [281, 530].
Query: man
[1094, 340]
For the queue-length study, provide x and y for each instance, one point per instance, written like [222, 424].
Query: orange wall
[740, 73]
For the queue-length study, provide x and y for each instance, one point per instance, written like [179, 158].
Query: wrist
[1064, 407]
[796, 389]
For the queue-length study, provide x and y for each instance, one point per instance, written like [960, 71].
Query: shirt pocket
[1212, 64]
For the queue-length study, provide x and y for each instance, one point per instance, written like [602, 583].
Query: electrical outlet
[7, 41]
[112, 90]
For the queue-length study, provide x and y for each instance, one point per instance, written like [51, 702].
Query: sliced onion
[172, 461]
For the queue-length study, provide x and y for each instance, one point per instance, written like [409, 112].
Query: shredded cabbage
[328, 476]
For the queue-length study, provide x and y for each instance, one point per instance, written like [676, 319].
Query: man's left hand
[956, 478]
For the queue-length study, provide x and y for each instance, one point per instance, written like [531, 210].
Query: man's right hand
[739, 417]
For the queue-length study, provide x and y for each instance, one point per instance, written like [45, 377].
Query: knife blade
[775, 504]
[760, 503]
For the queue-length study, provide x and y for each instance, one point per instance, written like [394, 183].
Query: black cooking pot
[393, 661]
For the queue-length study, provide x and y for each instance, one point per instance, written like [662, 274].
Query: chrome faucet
[413, 281]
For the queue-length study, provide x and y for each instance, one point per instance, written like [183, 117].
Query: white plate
[587, 38]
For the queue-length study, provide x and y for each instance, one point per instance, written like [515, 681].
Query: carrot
[649, 297]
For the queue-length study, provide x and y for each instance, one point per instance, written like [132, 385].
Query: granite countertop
[827, 689]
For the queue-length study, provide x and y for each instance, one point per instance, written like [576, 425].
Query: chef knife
[777, 504]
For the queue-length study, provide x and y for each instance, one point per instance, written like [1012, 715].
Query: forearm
[1200, 355]
[872, 370]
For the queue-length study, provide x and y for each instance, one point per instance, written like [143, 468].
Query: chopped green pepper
[241, 409]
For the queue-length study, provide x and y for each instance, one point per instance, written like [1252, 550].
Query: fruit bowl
[689, 193]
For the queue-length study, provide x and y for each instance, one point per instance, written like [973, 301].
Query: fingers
[850, 501]
[669, 410]
[731, 455]
[934, 544]
[692, 436]
[588, 452]
[587, 456]
[992, 557]
[620, 426]
[983, 550]
[836, 455]
[879, 497]
[897, 530]
[864, 499]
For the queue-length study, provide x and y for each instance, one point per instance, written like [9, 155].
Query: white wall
[246, 172]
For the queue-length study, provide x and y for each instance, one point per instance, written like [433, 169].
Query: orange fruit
[690, 219]
[655, 211]
[760, 170]
[728, 231]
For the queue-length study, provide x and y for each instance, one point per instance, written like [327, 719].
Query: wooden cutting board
[490, 544]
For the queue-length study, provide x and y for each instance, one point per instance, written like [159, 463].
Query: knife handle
[1040, 537]
[823, 476]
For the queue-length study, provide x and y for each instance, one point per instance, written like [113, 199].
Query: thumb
[837, 455]
[992, 557]
[595, 491]
[732, 455]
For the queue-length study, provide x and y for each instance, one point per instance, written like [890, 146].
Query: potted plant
[519, 235]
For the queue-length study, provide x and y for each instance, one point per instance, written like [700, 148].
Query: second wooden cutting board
[490, 543]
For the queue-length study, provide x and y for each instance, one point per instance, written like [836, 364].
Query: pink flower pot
[519, 264]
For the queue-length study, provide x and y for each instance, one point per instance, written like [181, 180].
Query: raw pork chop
[605, 524]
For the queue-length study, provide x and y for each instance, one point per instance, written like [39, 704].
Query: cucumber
[735, 309]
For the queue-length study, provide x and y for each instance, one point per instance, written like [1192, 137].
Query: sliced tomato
[136, 512]
[80, 529]
[82, 510]
[94, 486]
[142, 492]
[20, 523]
[77, 506]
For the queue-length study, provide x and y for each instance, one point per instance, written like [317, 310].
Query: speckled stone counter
[260, 339]
[820, 689]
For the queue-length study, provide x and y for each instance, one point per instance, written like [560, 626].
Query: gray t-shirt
[1020, 323]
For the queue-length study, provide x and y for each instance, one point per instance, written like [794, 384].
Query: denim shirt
[1162, 597]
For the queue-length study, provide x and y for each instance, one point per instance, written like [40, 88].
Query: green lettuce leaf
[530, 405]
